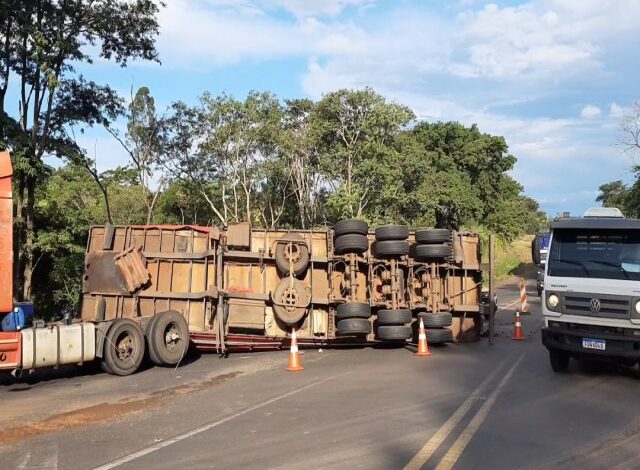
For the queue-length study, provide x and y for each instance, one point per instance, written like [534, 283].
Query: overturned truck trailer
[157, 289]
[244, 288]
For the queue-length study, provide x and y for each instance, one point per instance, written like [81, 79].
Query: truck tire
[168, 338]
[353, 310]
[394, 333]
[351, 243]
[296, 252]
[124, 348]
[559, 360]
[353, 326]
[394, 317]
[436, 320]
[439, 335]
[150, 346]
[433, 235]
[433, 252]
[391, 248]
[290, 298]
[392, 232]
[350, 226]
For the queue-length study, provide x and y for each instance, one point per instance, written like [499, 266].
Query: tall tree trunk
[29, 237]
[19, 236]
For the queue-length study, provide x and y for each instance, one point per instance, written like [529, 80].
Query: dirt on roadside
[108, 411]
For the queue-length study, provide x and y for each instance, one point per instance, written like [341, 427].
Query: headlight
[638, 306]
[554, 300]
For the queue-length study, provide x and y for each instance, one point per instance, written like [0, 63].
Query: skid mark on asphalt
[181, 437]
[455, 451]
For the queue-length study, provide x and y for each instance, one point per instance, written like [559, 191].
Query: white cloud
[527, 39]
[193, 32]
[471, 66]
[616, 111]
[590, 111]
[305, 8]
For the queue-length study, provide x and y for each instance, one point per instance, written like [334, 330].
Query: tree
[68, 203]
[631, 129]
[224, 147]
[354, 129]
[616, 193]
[143, 143]
[42, 41]
[299, 147]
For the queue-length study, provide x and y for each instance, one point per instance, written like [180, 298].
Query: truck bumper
[617, 344]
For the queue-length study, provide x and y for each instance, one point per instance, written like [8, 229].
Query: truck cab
[591, 302]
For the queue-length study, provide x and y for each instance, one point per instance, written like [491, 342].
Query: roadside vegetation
[513, 257]
[275, 163]
[626, 197]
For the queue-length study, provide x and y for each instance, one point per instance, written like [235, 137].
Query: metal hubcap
[124, 347]
[171, 337]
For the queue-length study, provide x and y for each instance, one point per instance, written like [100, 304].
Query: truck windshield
[604, 254]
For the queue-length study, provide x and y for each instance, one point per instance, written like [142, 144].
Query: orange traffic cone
[517, 331]
[423, 347]
[294, 356]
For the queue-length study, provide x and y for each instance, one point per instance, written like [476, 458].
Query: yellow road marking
[438, 438]
[453, 454]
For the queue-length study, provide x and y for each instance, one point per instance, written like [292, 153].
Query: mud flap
[101, 334]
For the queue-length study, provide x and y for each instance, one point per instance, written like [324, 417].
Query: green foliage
[624, 197]
[616, 193]
[42, 44]
[355, 131]
[291, 164]
[69, 202]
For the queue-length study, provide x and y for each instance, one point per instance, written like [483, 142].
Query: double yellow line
[455, 451]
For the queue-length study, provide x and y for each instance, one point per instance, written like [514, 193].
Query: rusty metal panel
[132, 267]
[178, 262]
[465, 328]
[245, 313]
[182, 263]
[239, 235]
[101, 275]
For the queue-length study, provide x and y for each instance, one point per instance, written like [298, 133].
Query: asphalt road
[465, 406]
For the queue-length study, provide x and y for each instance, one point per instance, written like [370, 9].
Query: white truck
[592, 289]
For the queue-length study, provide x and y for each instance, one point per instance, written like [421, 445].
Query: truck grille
[611, 306]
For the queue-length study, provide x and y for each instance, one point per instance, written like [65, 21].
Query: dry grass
[512, 257]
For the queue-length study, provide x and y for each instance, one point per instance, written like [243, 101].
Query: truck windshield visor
[603, 254]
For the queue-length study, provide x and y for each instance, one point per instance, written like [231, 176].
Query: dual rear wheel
[167, 340]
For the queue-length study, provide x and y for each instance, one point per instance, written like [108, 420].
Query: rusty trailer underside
[244, 288]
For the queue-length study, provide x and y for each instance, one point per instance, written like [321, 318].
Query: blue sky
[554, 77]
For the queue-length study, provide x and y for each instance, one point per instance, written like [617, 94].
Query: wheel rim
[172, 338]
[292, 252]
[124, 346]
[290, 298]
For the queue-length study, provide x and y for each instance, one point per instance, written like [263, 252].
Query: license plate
[588, 343]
